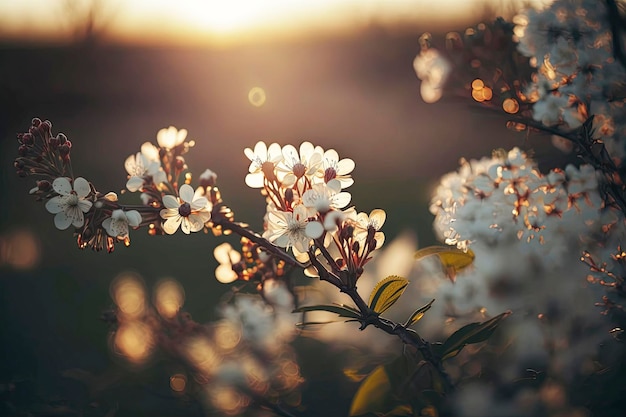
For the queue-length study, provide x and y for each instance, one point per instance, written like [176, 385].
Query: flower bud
[180, 163]
[36, 121]
[61, 138]
[289, 195]
[44, 185]
[26, 139]
[208, 178]
[64, 150]
[46, 127]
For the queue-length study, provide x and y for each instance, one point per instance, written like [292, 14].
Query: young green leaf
[418, 314]
[469, 334]
[387, 292]
[452, 259]
[341, 309]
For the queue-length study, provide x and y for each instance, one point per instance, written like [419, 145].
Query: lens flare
[169, 297]
[128, 292]
[256, 96]
[134, 340]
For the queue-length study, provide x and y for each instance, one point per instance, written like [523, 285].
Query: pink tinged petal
[81, 186]
[55, 205]
[84, 205]
[170, 202]
[62, 186]
[134, 218]
[134, 184]
[171, 225]
[314, 229]
[62, 221]
[255, 180]
[186, 193]
[345, 166]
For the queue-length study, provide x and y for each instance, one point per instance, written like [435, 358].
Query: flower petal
[134, 183]
[84, 205]
[55, 204]
[62, 221]
[134, 218]
[171, 225]
[81, 186]
[186, 193]
[62, 186]
[170, 202]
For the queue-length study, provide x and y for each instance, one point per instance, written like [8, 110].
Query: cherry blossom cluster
[306, 207]
[574, 45]
[158, 172]
[505, 197]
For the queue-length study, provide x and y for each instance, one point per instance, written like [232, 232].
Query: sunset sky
[206, 21]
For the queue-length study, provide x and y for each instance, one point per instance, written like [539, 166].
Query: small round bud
[289, 195]
[64, 150]
[44, 185]
[36, 121]
[61, 138]
[180, 163]
[45, 127]
[19, 164]
[26, 139]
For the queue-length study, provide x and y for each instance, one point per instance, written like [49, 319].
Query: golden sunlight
[219, 21]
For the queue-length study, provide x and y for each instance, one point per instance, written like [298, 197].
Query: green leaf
[452, 259]
[418, 314]
[341, 309]
[469, 334]
[387, 292]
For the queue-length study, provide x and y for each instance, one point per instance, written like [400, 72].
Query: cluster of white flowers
[571, 43]
[505, 198]
[527, 231]
[306, 202]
